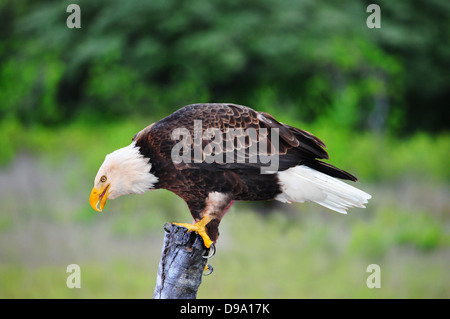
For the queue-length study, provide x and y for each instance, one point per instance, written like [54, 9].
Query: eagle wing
[237, 138]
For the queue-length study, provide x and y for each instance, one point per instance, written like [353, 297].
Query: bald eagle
[213, 154]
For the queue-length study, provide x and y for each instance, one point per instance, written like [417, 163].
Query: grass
[98, 280]
[305, 251]
[271, 257]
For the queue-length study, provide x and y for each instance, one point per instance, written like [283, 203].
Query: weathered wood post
[182, 263]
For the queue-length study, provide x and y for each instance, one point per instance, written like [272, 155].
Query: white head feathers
[126, 171]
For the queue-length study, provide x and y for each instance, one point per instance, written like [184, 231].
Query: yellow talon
[199, 228]
[208, 270]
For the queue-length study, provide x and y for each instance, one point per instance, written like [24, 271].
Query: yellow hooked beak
[98, 198]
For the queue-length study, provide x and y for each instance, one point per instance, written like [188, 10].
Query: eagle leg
[199, 228]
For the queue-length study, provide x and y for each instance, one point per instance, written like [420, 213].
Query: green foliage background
[150, 57]
[377, 97]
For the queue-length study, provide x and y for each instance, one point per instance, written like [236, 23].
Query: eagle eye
[103, 179]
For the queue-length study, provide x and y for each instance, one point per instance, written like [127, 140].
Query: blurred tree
[314, 60]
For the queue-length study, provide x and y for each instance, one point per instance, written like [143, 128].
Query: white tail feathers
[302, 183]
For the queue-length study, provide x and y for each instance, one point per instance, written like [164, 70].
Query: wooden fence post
[182, 263]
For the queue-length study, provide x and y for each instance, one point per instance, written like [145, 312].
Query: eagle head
[124, 171]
